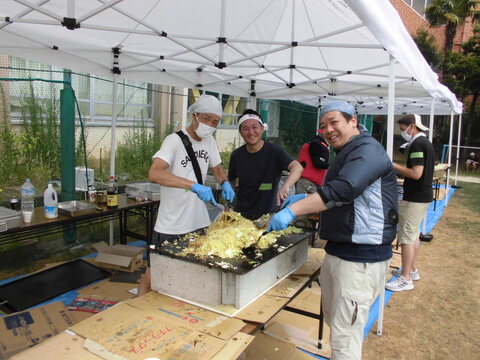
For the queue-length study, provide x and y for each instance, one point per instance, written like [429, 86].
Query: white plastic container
[50, 202]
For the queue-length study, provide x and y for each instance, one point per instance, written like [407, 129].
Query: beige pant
[410, 216]
[348, 289]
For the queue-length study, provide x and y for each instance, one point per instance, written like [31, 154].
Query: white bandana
[206, 104]
[252, 117]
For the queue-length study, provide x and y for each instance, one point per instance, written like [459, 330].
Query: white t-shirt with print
[182, 211]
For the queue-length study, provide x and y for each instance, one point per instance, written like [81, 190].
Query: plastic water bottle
[112, 193]
[50, 202]
[28, 196]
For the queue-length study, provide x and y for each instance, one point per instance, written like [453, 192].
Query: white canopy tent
[272, 49]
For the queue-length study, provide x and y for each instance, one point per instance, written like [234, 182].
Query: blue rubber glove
[204, 193]
[281, 219]
[227, 191]
[293, 199]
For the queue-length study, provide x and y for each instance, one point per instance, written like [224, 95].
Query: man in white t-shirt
[182, 206]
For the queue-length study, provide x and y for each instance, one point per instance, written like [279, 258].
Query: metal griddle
[238, 266]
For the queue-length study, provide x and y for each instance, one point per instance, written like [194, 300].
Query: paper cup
[27, 216]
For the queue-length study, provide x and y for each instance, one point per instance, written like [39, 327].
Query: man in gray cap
[359, 199]
[417, 196]
[182, 208]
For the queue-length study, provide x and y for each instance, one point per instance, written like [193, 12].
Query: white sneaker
[414, 275]
[399, 284]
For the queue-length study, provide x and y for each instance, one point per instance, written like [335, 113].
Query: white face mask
[203, 131]
[405, 135]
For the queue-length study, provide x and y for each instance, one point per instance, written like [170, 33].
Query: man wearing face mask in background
[182, 206]
[417, 196]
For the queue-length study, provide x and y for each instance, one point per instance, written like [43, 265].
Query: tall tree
[451, 13]
[462, 75]
[426, 45]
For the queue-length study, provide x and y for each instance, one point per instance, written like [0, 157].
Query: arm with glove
[227, 191]
[296, 205]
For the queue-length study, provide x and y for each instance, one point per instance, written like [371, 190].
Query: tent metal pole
[41, 10]
[458, 147]
[432, 113]
[292, 49]
[114, 125]
[319, 107]
[391, 105]
[222, 32]
[98, 10]
[71, 9]
[450, 143]
[113, 144]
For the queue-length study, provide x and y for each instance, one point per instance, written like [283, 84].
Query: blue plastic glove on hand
[227, 191]
[293, 199]
[204, 193]
[281, 219]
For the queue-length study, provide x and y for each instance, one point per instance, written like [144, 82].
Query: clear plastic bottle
[112, 193]
[50, 202]
[28, 196]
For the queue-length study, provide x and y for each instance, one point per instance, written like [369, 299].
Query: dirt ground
[440, 318]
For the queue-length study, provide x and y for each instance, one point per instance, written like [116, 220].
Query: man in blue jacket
[359, 199]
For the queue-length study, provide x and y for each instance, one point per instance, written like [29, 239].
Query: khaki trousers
[348, 289]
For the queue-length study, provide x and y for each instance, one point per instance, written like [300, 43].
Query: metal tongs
[223, 208]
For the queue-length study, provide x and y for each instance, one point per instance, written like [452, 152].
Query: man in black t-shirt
[257, 166]
[417, 196]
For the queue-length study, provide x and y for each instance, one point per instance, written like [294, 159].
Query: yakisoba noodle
[227, 235]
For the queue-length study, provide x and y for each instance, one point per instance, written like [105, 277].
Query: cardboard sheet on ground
[108, 289]
[315, 259]
[64, 346]
[22, 330]
[308, 300]
[265, 347]
[263, 309]
[182, 312]
[235, 347]
[131, 333]
[299, 330]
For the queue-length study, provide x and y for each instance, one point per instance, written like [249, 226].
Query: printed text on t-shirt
[202, 154]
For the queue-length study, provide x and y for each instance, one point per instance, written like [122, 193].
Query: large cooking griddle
[237, 266]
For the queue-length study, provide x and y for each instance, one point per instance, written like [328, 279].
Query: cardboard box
[25, 329]
[119, 257]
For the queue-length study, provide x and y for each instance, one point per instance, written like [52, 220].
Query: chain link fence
[145, 114]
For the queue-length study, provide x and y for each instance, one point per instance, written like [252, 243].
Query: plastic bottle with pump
[50, 202]
[27, 192]
[112, 193]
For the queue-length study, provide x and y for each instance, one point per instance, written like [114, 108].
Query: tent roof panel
[291, 49]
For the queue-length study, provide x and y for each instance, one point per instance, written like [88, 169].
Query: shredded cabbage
[228, 234]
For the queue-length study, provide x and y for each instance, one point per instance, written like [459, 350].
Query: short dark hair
[408, 119]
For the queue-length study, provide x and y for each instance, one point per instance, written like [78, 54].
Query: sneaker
[414, 275]
[399, 284]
